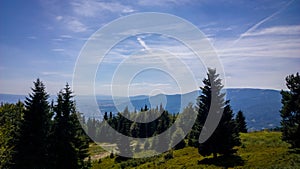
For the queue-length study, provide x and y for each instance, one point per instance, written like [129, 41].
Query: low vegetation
[258, 150]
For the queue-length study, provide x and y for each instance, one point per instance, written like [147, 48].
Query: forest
[43, 133]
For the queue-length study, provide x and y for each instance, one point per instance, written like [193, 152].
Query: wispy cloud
[266, 55]
[163, 2]
[58, 50]
[58, 18]
[76, 26]
[253, 28]
[269, 42]
[142, 43]
[66, 36]
[61, 74]
[93, 8]
[32, 37]
[277, 30]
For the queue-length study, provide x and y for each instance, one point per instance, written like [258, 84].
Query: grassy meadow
[262, 149]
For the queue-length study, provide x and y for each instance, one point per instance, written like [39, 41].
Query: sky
[257, 43]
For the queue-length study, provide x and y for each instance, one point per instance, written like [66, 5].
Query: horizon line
[99, 94]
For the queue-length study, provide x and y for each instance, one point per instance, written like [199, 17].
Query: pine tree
[32, 146]
[69, 142]
[240, 122]
[290, 111]
[163, 124]
[10, 120]
[105, 117]
[226, 135]
[178, 135]
[124, 128]
[91, 128]
[134, 130]
[110, 115]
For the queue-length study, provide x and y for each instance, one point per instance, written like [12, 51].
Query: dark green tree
[91, 128]
[178, 135]
[10, 120]
[290, 111]
[32, 146]
[124, 128]
[105, 117]
[226, 135]
[240, 122]
[164, 122]
[134, 130]
[110, 115]
[69, 142]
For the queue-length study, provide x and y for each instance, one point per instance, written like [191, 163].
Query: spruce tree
[163, 124]
[105, 117]
[10, 120]
[178, 135]
[32, 146]
[91, 128]
[69, 142]
[124, 128]
[240, 122]
[290, 111]
[226, 135]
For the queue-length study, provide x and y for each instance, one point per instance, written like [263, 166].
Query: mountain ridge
[260, 106]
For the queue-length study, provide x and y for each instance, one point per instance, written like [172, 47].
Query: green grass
[259, 150]
[95, 149]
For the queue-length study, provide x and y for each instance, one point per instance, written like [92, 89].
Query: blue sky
[258, 42]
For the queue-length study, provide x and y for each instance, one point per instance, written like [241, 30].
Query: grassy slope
[258, 150]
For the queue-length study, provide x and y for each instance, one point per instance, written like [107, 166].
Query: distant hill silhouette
[260, 106]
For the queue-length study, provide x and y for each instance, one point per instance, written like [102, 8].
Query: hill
[260, 106]
[259, 150]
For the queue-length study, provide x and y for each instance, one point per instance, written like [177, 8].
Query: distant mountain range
[260, 106]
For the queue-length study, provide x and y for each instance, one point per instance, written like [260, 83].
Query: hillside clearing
[258, 150]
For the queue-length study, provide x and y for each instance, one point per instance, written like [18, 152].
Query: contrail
[142, 43]
[253, 28]
[147, 49]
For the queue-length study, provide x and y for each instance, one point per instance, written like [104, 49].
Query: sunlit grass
[258, 150]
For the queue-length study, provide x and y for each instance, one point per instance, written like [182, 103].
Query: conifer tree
[32, 146]
[134, 130]
[91, 128]
[110, 115]
[290, 111]
[124, 128]
[163, 124]
[105, 117]
[178, 135]
[240, 122]
[10, 120]
[226, 135]
[69, 142]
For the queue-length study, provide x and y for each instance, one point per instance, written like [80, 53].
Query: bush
[111, 155]
[169, 155]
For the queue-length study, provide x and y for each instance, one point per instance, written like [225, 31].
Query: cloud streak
[277, 30]
[76, 26]
[253, 28]
[142, 43]
[94, 8]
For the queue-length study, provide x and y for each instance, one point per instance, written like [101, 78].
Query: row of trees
[222, 140]
[38, 134]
